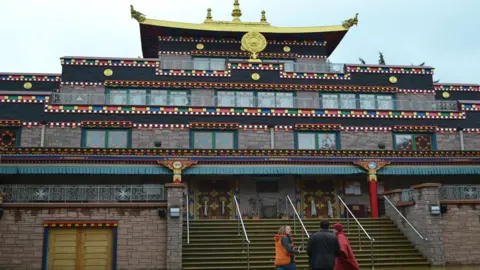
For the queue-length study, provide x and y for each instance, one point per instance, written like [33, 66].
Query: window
[275, 99]
[209, 63]
[413, 142]
[101, 138]
[381, 102]
[214, 140]
[320, 141]
[235, 99]
[330, 101]
[148, 97]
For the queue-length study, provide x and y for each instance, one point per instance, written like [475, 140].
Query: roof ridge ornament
[264, 17]
[209, 15]
[350, 22]
[140, 17]
[236, 12]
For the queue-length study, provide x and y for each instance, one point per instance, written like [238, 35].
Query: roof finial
[209, 15]
[350, 22]
[264, 17]
[236, 13]
[137, 15]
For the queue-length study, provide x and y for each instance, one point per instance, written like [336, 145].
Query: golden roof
[236, 25]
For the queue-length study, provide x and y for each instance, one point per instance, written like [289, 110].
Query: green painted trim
[107, 132]
[429, 170]
[214, 132]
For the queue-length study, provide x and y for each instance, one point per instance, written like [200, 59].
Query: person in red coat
[346, 260]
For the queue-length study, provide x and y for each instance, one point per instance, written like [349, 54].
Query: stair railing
[358, 230]
[244, 235]
[411, 226]
[188, 221]
[297, 216]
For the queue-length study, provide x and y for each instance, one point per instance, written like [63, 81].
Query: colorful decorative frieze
[367, 129]
[204, 125]
[230, 153]
[82, 83]
[251, 66]
[107, 124]
[252, 112]
[390, 69]
[10, 123]
[109, 62]
[473, 130]
[251, 86]
[190, 72]
[76, 224]
[457, 87]
[470, 107]
[315, 76]
[236, 41]
[416, 91]
[414, 128]
[31, 78]
[161, 126]
[24, 99]
[318, 127]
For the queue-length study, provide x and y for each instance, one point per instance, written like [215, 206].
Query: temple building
[103, 164]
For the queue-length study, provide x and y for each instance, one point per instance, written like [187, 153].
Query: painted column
[372, 167]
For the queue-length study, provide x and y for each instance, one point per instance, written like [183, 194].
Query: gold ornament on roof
[393, 79]
[236, 12]
[264, 17]
[254, 42]
[350, 22]
[137, 15]
[209, 15]
[27, 85]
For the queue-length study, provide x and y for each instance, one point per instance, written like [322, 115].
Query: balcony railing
[460, 192]
[221, 64]
[247, 100]
[82, 193]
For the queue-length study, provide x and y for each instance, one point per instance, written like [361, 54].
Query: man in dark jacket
[322, 248]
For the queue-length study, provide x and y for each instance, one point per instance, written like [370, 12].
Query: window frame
[316, 133]
[213, 132]
[107, 131]
[432, 135]
[358, 104]
[257, 98]
[18, 134]
[148, 98]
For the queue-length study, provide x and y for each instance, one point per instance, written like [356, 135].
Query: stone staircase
[215, 244]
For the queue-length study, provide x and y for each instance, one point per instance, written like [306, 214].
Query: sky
[445, 34]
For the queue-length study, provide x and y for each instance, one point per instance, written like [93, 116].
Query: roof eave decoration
[140, 17]
[347, 24]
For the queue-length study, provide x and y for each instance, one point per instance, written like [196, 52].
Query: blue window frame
[317, 140]
[213, 139]
[414, 141]
[106, 138]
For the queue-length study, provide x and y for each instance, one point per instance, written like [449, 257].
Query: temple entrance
[214, 199]
[319, 199]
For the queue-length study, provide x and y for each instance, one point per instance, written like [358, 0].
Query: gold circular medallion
[445, 95]
[241, 48]
[255, 76]
[27, 85]
[254, 42]
[393, 79]
[200, 46]
[177, 164]
[108, 72]
[286, 49]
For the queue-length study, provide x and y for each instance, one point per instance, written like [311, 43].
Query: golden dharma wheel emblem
[393, 79]
[287, 49]
[445, 95]
[243, 49]
[27, 85]
[108, 72]
[255, 76]
[254, 42]
[200, 46]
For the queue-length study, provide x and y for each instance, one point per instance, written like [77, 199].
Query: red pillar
[373, 197]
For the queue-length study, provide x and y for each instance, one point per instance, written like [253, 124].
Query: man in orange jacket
[285, 250]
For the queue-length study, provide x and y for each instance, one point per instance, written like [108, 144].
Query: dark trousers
[322, 268]
[290, 266]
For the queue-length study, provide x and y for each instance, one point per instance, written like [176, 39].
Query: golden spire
[140, 17]
[350, 22]
[209, 15]
[264, 17]
[236, 13]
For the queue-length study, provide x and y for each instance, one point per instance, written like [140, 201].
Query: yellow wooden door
[80, 249]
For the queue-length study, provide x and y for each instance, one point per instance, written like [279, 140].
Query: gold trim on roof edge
[220, 26]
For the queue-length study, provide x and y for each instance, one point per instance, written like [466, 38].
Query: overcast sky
[443, 33]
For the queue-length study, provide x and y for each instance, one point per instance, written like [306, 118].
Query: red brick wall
[141, 242]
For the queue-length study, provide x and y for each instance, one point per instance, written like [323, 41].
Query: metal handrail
[244, 236]
[358, 230]
[299, 219]
[188, 223]
[411, 226]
